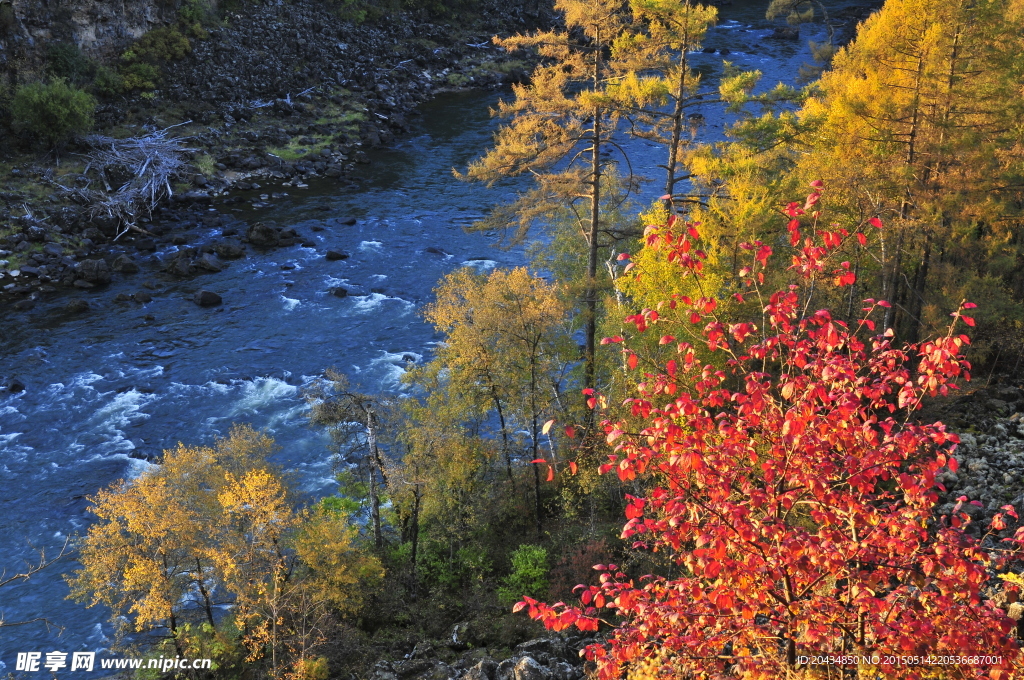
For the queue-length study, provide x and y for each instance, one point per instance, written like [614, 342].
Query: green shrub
[54, 111]
[108, 82]
[65, 60]
[139, 76]
[529, 575]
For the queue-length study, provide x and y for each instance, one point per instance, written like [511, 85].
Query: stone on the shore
[206, 298]
[94, 271]
[124, 264]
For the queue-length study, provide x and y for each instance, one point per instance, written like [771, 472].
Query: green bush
[529, 575]
[54, 111]
[65, 60]
[108, 82]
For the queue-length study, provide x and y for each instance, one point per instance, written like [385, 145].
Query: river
[108, 389]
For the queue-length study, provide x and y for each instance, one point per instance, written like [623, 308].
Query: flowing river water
[109, 389]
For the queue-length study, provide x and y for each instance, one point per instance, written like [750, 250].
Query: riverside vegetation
[774, 329]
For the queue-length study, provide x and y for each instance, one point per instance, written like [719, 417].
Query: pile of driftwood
[141, 168]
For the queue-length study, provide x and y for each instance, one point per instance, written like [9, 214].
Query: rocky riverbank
[280, 95]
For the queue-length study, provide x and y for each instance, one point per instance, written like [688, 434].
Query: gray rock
[209, 262]
[528, 669]
[485, 670]
[334, 255]
[124, 264]
[24, 305]
[83, 284]
[206, 298]
[263, 236]
[76, 306]
[229, 250]
[142, 297]
[94, 271]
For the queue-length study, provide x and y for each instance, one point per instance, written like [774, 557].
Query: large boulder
[263, 236]
[124, 264]
[206, 298]
[228, 250]
[94, 271]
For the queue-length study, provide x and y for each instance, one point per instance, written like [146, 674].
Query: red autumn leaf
[631, 361]
[875, 222]
[551, 474]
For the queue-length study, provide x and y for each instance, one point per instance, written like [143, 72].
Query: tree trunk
[371, 441]
[590, 369]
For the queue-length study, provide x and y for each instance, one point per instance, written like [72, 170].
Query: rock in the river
[76, 306]
[339, 292]
[209, 262]
[263, 236]
[142, 297]
[94, 271]
[15, 385]
[785, 33]
[24, 305]
[228, 250]
[333, 255]
[124, 265]
[206, 298]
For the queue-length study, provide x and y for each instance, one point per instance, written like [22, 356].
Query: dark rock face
[206, 298]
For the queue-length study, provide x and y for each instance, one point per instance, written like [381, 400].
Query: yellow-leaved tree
[214, 526]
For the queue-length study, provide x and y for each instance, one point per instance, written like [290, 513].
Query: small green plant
[54, 111]
[529, 575]
[139, 76]
[205, 164]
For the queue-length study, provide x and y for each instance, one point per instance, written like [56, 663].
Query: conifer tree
[560, 129]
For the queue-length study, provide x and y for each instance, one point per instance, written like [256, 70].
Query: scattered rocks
[206, 298]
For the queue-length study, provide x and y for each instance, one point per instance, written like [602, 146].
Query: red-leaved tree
[795, 494]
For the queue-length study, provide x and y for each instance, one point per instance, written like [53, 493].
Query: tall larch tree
[560, 130]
